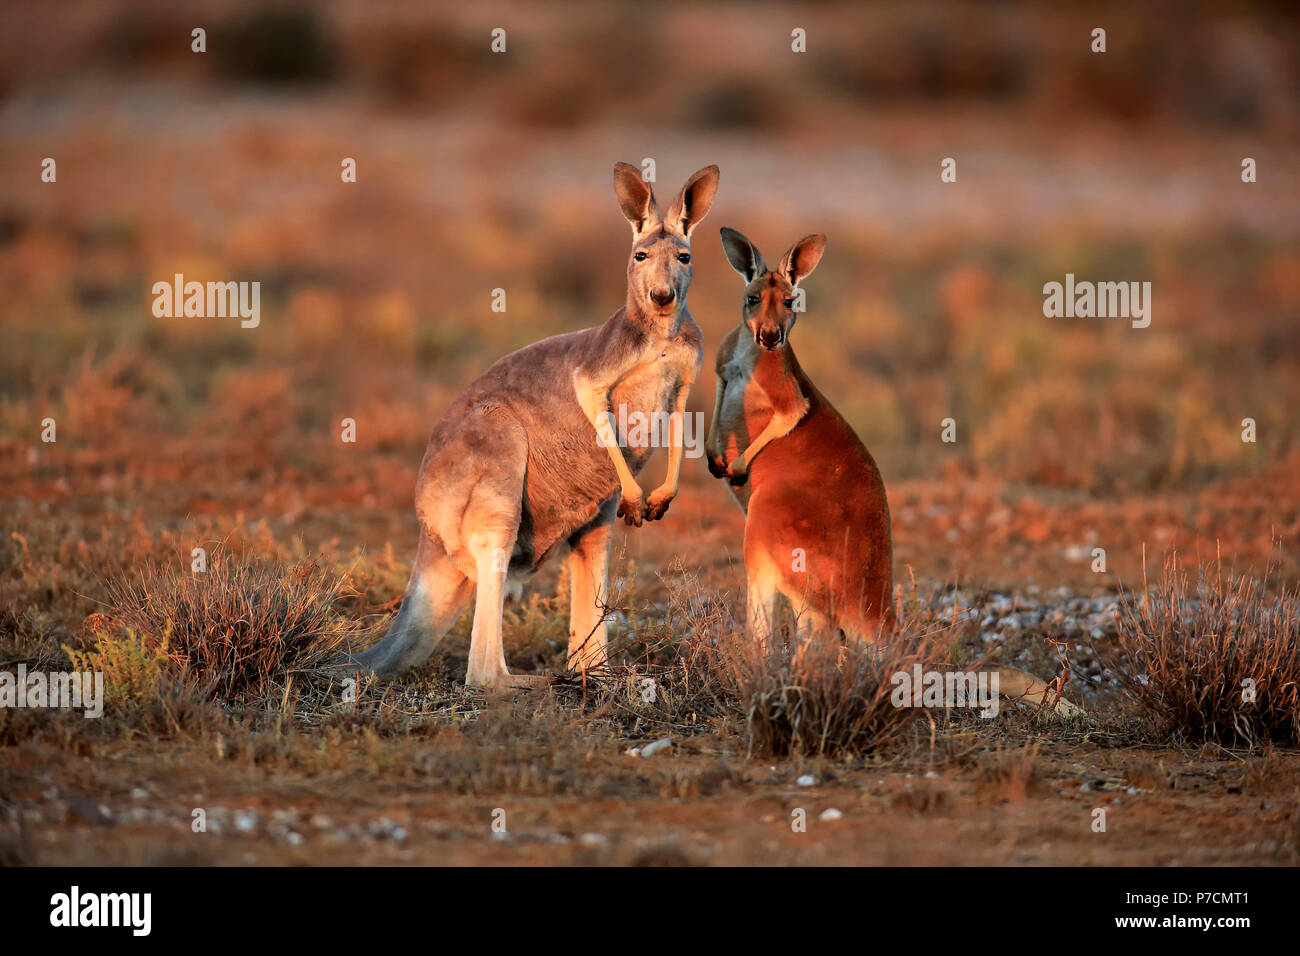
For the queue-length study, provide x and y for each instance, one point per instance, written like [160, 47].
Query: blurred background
[479, 171]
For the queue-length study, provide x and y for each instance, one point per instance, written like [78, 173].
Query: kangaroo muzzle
[663, 297]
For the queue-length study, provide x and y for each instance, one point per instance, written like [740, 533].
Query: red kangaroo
[817, 529]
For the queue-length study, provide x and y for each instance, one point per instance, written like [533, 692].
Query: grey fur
[514, 467]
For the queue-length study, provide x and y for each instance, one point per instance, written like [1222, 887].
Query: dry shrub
[822, 697]
[133, 666]
[140, 694]
[1187, 655]
[236, 628]
[176, 709]
[817, 695]
[810, 695]
[141, 688]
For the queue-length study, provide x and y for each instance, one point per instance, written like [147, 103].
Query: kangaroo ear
[693, 202]
[635, 198]
[742, 254]
[802, 258]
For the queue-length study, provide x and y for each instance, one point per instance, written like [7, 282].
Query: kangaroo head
[768, 310]
[659, 266]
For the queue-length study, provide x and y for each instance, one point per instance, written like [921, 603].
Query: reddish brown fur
[805, 480]
[818, 488]
[808, 483]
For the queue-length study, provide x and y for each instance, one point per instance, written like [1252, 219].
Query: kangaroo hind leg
[589, 592]
[488, 529]
[434, 598]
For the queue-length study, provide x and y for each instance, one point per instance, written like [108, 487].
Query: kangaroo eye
[789, 303]
[751, 300]
[684, 257]
[639, 257]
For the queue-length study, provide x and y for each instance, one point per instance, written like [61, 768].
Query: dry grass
[1191, 656]
[235, 629]
[1012, 771]
[821, 697]
[813, 695]
[172, 432]
[804, 695]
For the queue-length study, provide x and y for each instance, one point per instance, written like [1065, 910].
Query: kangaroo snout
[770, 338]
[663, 296]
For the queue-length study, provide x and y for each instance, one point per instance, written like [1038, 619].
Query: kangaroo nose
[662, 297]
[769, 338]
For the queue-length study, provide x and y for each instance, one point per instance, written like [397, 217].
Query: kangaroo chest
[743, 412]
[644, 400]
[746, 407]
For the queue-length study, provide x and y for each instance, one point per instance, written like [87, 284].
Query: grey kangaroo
[527, 458]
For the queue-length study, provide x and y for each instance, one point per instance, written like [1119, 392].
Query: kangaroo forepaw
[737, 474]
[717, 468]
[632, 510]
[657, 506]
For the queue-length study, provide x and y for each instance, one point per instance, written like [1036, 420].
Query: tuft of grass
[235, 629]
[1011, 770]
[1218, 661]
[803, 694]
[822, 697]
